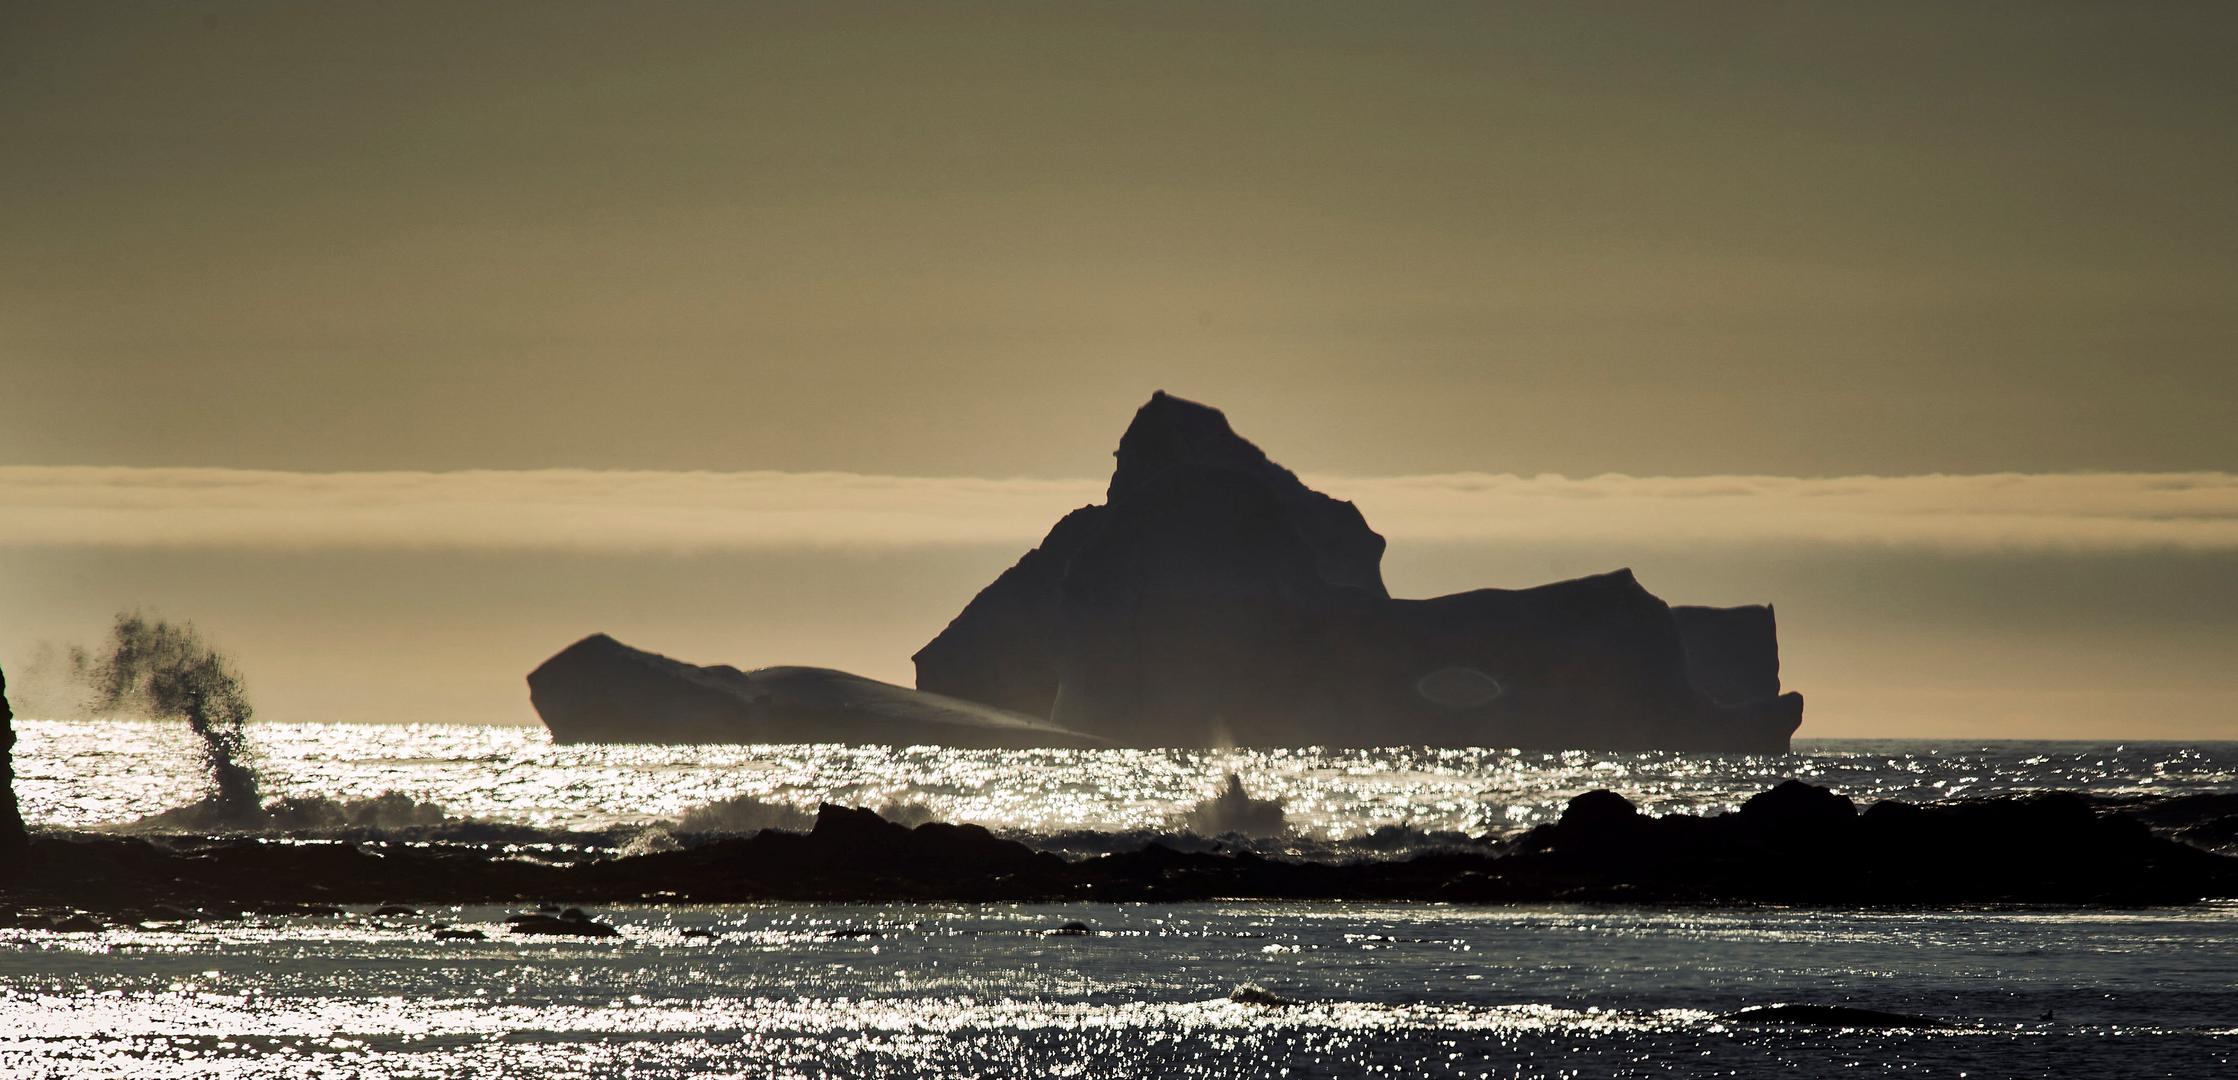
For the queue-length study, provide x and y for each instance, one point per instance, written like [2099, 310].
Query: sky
[399, 345]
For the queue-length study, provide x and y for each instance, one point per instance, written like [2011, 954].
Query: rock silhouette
[1214, 598]
[14, 844]
[600, 690]
[1796, 844]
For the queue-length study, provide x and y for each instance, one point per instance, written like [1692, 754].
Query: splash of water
[165, 671]
[1233, 810]
[743, 815]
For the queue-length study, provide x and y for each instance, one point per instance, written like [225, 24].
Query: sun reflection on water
[87, 773]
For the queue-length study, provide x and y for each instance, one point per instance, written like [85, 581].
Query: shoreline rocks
[1794, 844]
[15, 842]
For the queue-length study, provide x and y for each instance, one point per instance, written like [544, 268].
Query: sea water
[1329, 989]
[79, 774]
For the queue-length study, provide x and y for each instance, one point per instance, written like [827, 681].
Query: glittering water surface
[946, 990]
[81, 773]
[982, 990]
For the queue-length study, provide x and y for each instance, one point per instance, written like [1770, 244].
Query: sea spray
[744, 815]
[1234, 811]
[164, 670]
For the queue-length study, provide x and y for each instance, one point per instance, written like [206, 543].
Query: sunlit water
[79, 773]
[943, 990]
[973, 991]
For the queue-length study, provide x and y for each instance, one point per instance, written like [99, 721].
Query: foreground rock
[14, 843]
[1803, 844]
[2205, 820]
[1214, 598]
[1795, 844]
[600, 690]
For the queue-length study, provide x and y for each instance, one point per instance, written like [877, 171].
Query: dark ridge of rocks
[600, 690]
[1802, 844]
[2205, 819]
[15, 843]
[1214, 598]
[850, 854]
[1795, 844]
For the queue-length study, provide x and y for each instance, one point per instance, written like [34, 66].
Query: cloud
[594, 510]
[2069, 511]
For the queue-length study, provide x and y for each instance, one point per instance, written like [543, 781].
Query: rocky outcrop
[1214, 598]
[1795, 844]
[13, 842]
[600, 690]
[1805, 844]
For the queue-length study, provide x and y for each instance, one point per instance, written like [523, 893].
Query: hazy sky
[959, 243]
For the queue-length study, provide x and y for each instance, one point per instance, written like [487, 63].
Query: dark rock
[1255, 994]
[579, 926]
[394, 910]
[1598, 809]
[600, 690]
[1845, 1016]
[1796, 804]
[448, 934]
[77, 924]
[1804, 844]
[1071, 929]
[1797, 845]
[2206, 820]
[856, 839]
[15, 844]
[1214, 598]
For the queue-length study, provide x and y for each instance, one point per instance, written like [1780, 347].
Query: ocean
[1214, 989]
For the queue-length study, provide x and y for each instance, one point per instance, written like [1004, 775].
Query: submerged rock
[600, 690]
[1847, 1016]
[1255, 994]
[570, 923]
[1214, 597]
